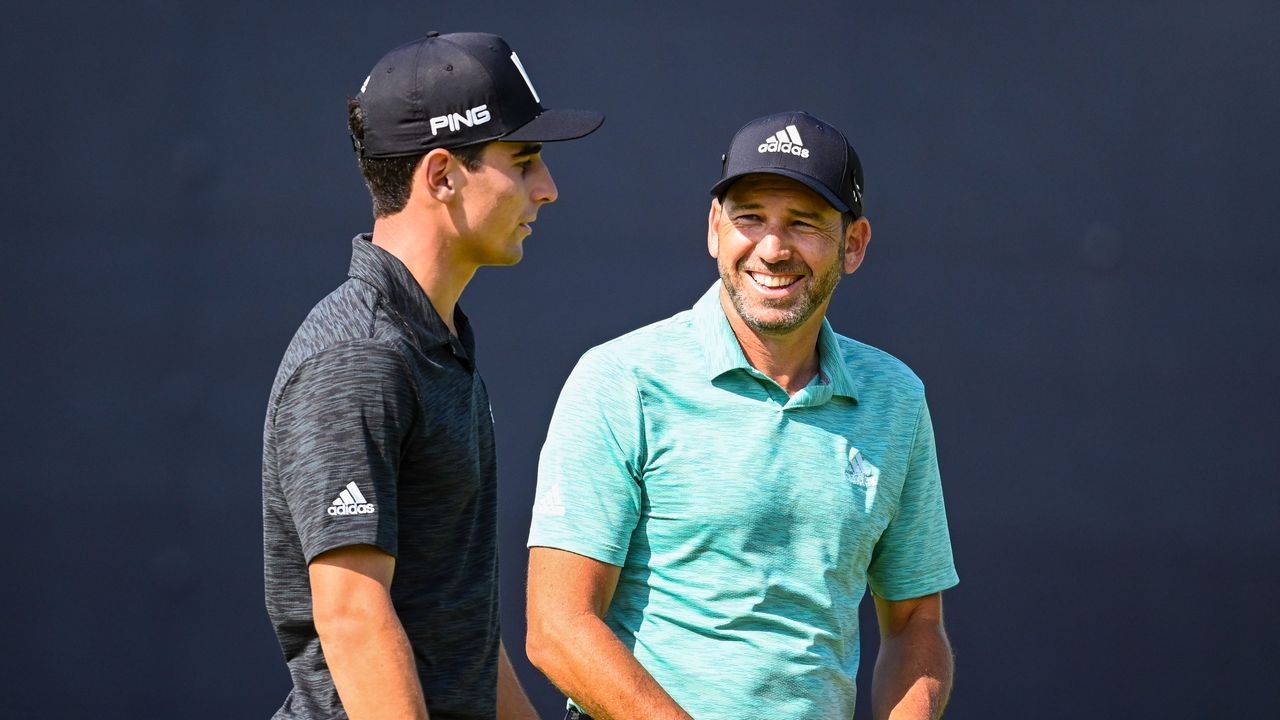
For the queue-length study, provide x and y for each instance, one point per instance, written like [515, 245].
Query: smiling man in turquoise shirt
[718, 489]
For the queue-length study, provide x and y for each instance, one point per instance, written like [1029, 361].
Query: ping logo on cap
[787, 141]
[477, 115]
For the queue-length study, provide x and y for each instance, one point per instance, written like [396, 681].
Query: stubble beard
[774, 317]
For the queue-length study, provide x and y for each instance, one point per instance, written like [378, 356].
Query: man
[378, 480]
[717, 489]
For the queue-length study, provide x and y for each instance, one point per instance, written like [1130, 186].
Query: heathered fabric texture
[747, 523]
[375, 391]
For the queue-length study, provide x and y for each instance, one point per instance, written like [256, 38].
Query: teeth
[772, 281]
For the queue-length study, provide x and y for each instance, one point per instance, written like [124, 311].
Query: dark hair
[391, 179]
[846, 219]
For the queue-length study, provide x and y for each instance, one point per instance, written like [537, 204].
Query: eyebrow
[806, 214]
[759, 206]
[529, 149]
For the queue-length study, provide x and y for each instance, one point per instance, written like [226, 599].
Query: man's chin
[772, 325]
[513, 256]
[771, 319]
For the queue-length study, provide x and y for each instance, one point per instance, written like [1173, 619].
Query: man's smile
[773, 284]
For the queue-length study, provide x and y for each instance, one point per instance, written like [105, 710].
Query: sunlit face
[781, 249]
[500, 201]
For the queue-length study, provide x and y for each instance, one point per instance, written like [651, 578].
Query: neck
[790, 359]
[426, 252]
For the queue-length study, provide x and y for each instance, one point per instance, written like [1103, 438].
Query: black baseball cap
[799, 146]
[446, 91]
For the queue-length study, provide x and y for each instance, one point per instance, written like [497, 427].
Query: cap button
[433, 33]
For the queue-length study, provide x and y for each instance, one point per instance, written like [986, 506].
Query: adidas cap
[799, 146]
[445, 91]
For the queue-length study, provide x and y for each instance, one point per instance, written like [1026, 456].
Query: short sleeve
[589, 493]
[913, 556]
[339, 425]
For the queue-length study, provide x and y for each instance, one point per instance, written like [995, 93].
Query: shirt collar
[723, 353]
[405, 297]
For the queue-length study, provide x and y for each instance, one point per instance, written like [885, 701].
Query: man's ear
[713, 219]
[856, 238]
[438, 176]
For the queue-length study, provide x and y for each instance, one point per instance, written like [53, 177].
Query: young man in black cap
[718, 489]
[379, 487]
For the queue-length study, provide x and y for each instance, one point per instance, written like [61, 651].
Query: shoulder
[872, 367]
[622, 370]
[650, 348]
[348, 322]
[351, 311]
[355, 367]
[326, 391]
[340, 371]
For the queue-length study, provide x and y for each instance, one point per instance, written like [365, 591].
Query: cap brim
[721, 187]
[555, 125]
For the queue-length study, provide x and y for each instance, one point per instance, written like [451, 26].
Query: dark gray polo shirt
[379, 432]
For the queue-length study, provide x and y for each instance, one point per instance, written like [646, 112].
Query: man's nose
[773, 245]
[544, 190]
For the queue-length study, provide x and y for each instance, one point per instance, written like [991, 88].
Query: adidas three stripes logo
[351, 502]
[786, 140]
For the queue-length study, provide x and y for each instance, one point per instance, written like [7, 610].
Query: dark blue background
[1074, 245]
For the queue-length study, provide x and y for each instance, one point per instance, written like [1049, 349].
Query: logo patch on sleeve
[550, 502]
[351, 502]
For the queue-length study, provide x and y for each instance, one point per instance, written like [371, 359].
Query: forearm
[912, 678]
[582, 657]
[513, 703]
[372, 664]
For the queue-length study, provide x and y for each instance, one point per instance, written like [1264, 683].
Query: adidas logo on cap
[351, 502]
[823, 160]
[787, 141]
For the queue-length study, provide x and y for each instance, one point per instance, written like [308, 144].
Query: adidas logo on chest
[786, 141]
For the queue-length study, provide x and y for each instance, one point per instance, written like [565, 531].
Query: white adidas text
[352, 509]
[775, 146]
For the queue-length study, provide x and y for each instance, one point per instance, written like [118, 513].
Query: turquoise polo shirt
[747, 523]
